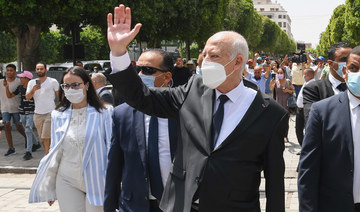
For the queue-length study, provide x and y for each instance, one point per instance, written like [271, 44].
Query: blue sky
[309, 17]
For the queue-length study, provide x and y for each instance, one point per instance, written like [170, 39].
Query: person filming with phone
[44, 90]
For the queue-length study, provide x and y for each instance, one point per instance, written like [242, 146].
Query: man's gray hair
[99, 78]
[238, 47]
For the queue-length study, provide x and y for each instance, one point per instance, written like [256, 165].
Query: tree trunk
[187, 47]
[27, 40]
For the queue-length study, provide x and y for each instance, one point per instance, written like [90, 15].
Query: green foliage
[51, 47]
[243, 18]
[95, 43]
[7, 47]
[352, 22]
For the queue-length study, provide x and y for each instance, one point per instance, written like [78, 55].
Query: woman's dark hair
[92, 97]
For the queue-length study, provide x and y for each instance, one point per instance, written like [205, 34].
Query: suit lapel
[139, 127]
[256, 108]
[346, 123]
[328, 87]
[207, 101]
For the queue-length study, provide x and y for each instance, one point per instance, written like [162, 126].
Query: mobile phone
[37, 82]
[273, 76]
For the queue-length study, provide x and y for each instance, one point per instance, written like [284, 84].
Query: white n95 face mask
[74, 95]
[213, 73]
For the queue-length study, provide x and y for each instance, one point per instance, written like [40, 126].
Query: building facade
[276, 13]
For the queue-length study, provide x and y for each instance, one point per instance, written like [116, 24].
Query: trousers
[72, 197]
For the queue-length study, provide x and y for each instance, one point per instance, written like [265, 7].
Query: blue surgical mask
[353, 83]
[198, 70]
[148, 80]
[341, 65]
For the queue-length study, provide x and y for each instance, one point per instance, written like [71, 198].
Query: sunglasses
[147, 70]
[75, 85]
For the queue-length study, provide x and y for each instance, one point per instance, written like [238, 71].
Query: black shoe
[27, 156]
[10, 152]
[36, 147]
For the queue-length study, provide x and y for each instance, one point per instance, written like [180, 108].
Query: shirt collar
[309, 81]
[99, 89]
[235, 93]
[353, 101]
[334, 82]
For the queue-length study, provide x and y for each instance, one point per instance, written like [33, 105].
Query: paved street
[14, 187]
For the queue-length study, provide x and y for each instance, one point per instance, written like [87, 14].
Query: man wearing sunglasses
[229, 131]
[142, 146]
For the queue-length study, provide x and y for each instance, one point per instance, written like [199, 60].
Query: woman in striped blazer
[74, 170]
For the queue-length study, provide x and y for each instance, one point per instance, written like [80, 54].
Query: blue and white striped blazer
[96, 148]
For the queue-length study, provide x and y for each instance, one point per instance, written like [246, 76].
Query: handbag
[291, 102]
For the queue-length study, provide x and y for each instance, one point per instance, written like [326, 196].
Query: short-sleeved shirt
[260, 82]
[9, 105]
[44, 97]
[26, 107]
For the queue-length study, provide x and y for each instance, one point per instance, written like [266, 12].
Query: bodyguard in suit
[142, 146]
[333, 84]
[329, 171]
[99, 81]
[228, 130]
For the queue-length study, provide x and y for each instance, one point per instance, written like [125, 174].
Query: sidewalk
[15, 163]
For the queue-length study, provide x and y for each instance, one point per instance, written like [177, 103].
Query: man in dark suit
[228, 130]
[333, 84]
[329, 170]
[131, 157]
[99, 81]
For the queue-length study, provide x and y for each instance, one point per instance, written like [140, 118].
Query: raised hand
[119, 33]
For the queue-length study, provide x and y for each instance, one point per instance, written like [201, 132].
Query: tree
[27, 19]
[243, 18]
[352, 22]
[7, 47]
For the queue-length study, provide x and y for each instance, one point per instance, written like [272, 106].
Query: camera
[299, 57]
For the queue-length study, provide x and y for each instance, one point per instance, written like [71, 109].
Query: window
[269, 16]
[284, 16]
[280, 16]
[262, 9]
[272, 9]
[277, 9]
[284, 24]
[284, 30]
[280, 24]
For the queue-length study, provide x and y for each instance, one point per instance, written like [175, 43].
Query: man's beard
[257, 78]
[41, 74]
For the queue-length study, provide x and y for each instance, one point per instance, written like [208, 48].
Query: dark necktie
[218, 119]
[153, 157]
[342, 86]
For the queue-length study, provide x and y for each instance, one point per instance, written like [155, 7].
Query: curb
[17, 170]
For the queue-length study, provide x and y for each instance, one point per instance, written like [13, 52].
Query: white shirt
[240, 99]
[299, 101]
[44, 98]
[334, 82]
[164, 148]
[9, 105]
[355, 126]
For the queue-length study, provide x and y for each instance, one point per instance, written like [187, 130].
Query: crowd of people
[195, 138]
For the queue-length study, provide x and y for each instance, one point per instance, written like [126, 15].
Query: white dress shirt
[164, 148]
[300, 98]
[334, 82]
[355, 126]
[240, 99]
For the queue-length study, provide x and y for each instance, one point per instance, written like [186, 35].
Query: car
[57, 68]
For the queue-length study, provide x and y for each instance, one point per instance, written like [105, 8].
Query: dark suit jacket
[326, 167]
[128, 161]
[228, 178]
[314, 92]
[106, 96]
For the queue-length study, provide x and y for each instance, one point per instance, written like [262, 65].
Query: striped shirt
[26, 107]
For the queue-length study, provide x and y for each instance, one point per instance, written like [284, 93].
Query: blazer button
[146, 179]
[351, 172]
[197, 179]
